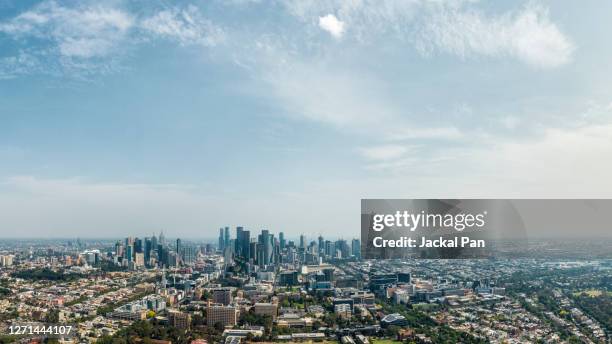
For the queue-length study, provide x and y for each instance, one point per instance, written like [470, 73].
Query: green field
[591, 292]
[383, 341]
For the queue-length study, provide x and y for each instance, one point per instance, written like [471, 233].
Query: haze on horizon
[127, 117]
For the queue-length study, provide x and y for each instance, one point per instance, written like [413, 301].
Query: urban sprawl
[258, 287]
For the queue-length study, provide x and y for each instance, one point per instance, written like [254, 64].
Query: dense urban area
[248, 287]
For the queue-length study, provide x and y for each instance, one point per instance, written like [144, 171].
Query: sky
[129, 117]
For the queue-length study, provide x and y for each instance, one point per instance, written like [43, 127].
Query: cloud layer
[91, 38]
[528, 35]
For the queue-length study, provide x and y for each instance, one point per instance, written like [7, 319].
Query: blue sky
[134, 116]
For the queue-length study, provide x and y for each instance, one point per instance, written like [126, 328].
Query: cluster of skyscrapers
[262, 250]
[265, 249]
[153, 251]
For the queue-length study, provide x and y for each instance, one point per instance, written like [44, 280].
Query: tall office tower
[329, 248]
[276, 256]
[343, 248]
[281, 239]
[178, 245]
[226, 236]
[147, 250]
[129, 241]
[118, 249]
[266, 241]
[356, 248]
[321, 245]
[162, 255]
[138, 246]
[228, 254]
[291, 254]
[302, 242]
[254, 247]
[153, 245]
[188, 254]
[243, 240]
[129, 253]
[221, 240]
[312, 248]
[238, 248]
[162, 238]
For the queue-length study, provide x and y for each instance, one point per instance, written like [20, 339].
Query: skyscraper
[253, 249]
[329, 248]
[356, 248]
[302, 242]
[188, 253]
[138, 246]
[226, 237]
[221, 240]
[321, 245]
[281, 239]
[148, 246]
[243, 239]
[238, 242]
[265, 248]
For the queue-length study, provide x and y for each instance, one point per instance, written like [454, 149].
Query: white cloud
[453, 27]
[332, 25]
[89, 38]
[566, 162]
[187, 26]
[559, 163]
[325, 91]
[528, 35]
[86, 32]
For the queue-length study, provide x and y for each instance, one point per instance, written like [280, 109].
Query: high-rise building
[329, 248]
[265, 253]
[129, 253]
[221, 240]
[225, 315]
[356, 248]
[188, 253]
[118, 249]
[321, 245]
[153, 242]
[281, 239]
[148, 247]
[179, 320]
[302, 242]
[223, 296]
[342, 249]
[226, 236]
[238, 242]
[253, 251]
[243, 240]
[139, 260]
[138, 246]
